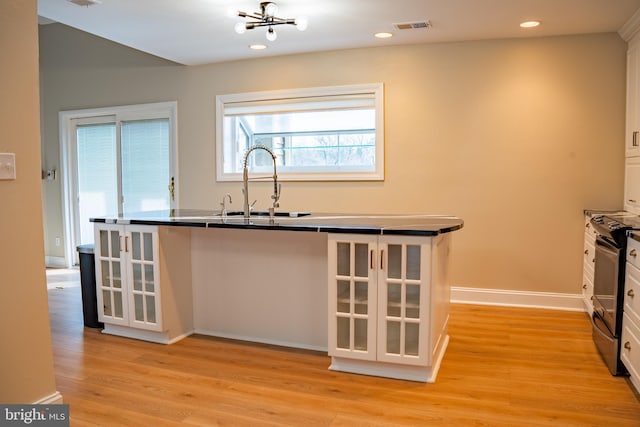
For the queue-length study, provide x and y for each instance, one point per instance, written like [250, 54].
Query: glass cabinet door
[144, 295]
[403, 297]
[352, 297]
[110, 271]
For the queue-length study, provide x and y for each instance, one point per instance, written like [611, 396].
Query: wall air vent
[413, 25]
[86, 3]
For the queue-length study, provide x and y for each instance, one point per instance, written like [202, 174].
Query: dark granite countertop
[416, 225]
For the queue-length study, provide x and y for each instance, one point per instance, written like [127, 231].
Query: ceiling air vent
[86, 3]
[413, 25]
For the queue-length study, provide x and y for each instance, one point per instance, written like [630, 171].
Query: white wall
[506, 134]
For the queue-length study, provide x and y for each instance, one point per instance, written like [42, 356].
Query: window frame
[286, 95]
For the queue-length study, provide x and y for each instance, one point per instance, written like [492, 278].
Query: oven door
[608, 270]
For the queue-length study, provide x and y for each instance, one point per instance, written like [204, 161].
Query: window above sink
[317, 134]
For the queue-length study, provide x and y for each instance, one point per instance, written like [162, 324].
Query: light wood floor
[504, 367]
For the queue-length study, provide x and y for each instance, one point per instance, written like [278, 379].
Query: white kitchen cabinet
[632, 137]
[388, 304]
[130, 281]
[588, 263]
[632, 184]
[630, 340]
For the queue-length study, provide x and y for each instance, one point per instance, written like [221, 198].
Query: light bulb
[270, 9]
[302, 24]
[530, 24]
[240, 28]
[271, 35]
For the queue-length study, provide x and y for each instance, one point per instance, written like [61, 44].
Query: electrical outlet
[57, 241]
[7, 166]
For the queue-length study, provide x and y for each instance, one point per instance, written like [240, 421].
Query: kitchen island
[372, 290]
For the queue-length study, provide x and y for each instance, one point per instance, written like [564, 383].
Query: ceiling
[193, 32]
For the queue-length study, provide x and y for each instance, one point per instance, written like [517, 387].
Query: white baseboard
[550, 300]
[55, 262]
[52, 399]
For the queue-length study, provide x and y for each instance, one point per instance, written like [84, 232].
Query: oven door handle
[607, 244]
[601, 327]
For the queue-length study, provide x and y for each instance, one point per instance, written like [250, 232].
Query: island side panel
[174, 245]
[440, 296]
[261, 285]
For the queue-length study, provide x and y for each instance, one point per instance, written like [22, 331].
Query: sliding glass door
[117, 164]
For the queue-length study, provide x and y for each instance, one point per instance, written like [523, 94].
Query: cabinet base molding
[424, 374]
[139, 334]
[261, 340]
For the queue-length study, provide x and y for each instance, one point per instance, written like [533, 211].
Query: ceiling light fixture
[266, 18]
[529, 24]
[383, 35]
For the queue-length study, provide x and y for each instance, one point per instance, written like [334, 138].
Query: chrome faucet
[224, 205]
[245, 182]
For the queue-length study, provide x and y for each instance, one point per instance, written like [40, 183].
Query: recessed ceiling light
[529, 24]
[257, 46]
[383, 35]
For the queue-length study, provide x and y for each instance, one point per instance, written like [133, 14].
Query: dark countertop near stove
[415, 225]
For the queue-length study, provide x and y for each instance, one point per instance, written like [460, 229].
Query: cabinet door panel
[112, 306]
[632, 137]
[144, 297]
[403, 284]
[352, 296]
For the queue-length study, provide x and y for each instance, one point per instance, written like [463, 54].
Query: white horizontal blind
[145, 165]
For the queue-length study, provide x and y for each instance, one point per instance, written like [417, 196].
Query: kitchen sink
[266, 213]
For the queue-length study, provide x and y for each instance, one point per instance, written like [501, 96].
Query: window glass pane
[117, 277]
[344, 332]
[362, 259]
[135, 245]
[97, 174]
[316, 132]
[139, 308]
[148, 246]
[145, 165]
[413, 262]
[344, 259]
[360, 334]
[412, 301]
[104, 243]
[412, 338]
[361, 298]
[106, 274]
[115, 244]
[137, 277]
[394, 295]
[117, 305]
[393, 337]
[344, 296]
[106, 303]
[394, 261]
[148, 278]
[151, 308]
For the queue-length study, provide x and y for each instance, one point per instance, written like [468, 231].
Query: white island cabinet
[388, 304]
[371, 290]
[132, 277]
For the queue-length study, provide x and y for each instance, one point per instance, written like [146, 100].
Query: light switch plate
[7, 166]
